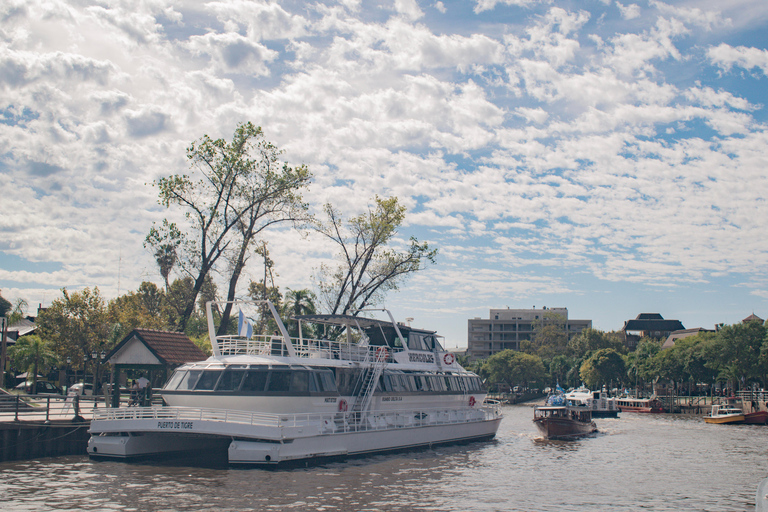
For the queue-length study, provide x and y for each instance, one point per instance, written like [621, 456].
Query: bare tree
[368, 267]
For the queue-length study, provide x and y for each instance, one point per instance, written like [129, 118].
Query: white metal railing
[329, 422]
[303, 347]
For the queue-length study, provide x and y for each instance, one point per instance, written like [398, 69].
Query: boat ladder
[369, 378]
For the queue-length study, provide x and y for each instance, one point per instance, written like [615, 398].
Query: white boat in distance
[598, 402]
[275, 399]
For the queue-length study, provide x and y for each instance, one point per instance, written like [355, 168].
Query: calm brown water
[637, 462]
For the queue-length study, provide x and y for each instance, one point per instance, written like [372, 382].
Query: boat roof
[363, 322]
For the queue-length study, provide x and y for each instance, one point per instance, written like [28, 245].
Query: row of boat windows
[402, 382]
[254, 380]
[315, 380]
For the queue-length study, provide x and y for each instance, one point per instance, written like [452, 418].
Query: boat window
[346, 380]
[396, 382]
[208, 380]
[190, 379]
[175, 379]
[299, 382]
[325, 380]
[416, 341]
[279, 381]
[438, 384]
[255, 380]
[386, 383]
[230, 380]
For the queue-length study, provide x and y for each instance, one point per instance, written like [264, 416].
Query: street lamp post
[69, 369]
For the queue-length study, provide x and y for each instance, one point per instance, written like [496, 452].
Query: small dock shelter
[156, 352]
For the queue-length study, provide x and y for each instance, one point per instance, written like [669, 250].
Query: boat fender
[343, 406]
[472, 401]
[449, 359]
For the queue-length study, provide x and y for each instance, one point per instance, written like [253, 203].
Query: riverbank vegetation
[732, 358]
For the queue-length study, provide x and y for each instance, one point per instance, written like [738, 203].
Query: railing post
[48, 411]
[18, 399]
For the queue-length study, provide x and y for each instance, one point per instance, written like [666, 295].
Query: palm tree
[298, 302]
[32, 353]
[166, 258]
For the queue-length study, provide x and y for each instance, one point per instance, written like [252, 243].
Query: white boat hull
[274, 439]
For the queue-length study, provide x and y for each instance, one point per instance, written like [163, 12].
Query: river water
[636, 462]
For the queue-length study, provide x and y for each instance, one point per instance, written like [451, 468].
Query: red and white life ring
[472, 401]
[343, 406]
[449, 358]
[381, 353]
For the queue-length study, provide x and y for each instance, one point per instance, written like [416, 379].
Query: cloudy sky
[607, 157]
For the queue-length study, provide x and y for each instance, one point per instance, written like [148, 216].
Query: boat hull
[273, 440]
[605, 414]
[722, 420]
[756, 418]
[564, 428]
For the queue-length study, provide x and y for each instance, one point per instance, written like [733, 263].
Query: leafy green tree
[265, 323]
[737, 351]
[177, 299]
[604, 366]
[550, 337]
[243, 189]
[32, 354]
[140, 309]
[514, 367]
[368, 267]
[670, 365]
[297, 303]
[75, 324]
[5, 306]
[589, 340]
[559, 368]
[641, 364]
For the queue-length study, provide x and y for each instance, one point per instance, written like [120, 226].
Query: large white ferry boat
[275, 399]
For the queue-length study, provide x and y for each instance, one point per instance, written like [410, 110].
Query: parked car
[80, 389]
[43, 388]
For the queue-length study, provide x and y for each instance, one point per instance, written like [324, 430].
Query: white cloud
[232, 52]
[489, 5]
[551, 143]
[408, 9]
[726, 56]
[630, 11]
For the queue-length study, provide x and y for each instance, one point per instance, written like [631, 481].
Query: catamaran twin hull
[262, 439]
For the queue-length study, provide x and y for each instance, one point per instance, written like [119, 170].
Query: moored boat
[756, 417]
[725, 414]
[648, 405]
[559, 420]
[601, 405]
[269, 399]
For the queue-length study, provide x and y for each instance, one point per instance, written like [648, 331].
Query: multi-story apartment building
[505, 328]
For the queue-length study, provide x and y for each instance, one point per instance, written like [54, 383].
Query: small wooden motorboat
[722, 414]
[558, 420]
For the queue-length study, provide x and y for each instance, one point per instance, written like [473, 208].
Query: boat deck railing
[273, 345]
[328, 422]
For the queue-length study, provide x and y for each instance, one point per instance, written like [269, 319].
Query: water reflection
[660, 462]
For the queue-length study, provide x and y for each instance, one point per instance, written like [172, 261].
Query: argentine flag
[244, 326]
